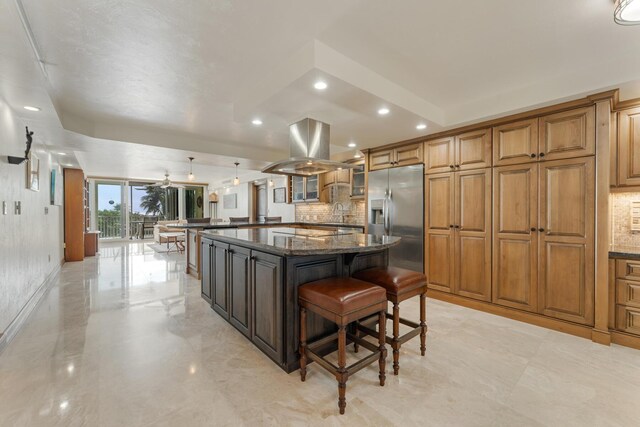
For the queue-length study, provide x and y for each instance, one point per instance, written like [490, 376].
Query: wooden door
[439, 231]
[267, 298]
[472, 226]
[74, 212]
[205, 266]
[219, 273]
[515, 143]
[473, 150]
[515, 236]
[568, 134]
[408, 155]
[566, 229]
[629, 147]
[239, 289]
[381, 159]
[439, 155]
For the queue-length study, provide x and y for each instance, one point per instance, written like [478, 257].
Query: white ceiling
[132, 88]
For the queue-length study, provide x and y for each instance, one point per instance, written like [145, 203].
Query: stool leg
[395, 343]
[342, 374]
[303, 343]
[423, 323]
[357, 335]
[382, 320]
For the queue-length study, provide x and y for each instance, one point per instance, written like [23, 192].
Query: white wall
[244, 207]
[30, 243]
[286, 211]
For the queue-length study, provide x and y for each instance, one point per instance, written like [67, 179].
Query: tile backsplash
[621, 212]
[330, 212]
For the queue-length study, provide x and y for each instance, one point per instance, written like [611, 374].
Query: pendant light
[627, 12]
[191, 177]
[236, 180]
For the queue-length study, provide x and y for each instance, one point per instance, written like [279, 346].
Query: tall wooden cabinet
[543, 239]
[75, 203]
[458, 243]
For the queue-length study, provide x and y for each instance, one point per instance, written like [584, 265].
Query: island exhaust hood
[308, 151]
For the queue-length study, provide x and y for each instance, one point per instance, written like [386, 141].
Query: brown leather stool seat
[400, 284]
[342, 300]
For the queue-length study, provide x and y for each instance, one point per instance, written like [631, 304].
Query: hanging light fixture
[236, 180]
[191, 177]
[627, 12]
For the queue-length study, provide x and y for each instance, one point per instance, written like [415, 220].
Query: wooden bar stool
[342, 300]
[400, 285]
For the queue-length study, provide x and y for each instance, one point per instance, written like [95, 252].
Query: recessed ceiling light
[351, 144]
[30, 108]
[383, 111]
[62, 154]
[421, 126]
[309, 162]
[320, 85]
[627, 12]
[256, 122]
[357, 156]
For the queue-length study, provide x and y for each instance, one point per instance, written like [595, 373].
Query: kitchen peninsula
[251, 276]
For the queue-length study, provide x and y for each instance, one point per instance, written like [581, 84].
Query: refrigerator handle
[387, 198]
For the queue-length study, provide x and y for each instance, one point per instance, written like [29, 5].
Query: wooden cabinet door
[568, 134]
[381, 159]
[205, 266]
[239, 289]
[439, 231]
[219, 273]
[342, 176]
[629, 147]
[329, 178]
[439, 155]
[515, 236]
[473, 234]
[408, 155]
[473, 150]
[515, 143]
[566, 230]
[267, 298]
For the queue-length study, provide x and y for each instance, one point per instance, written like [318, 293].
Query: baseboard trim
[626, 340]
[18, 322]
[582, 331]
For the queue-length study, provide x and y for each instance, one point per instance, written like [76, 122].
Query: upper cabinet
[515, 143]
[392, 157]
[357, 180]
[470, 150]
[567, 134]
[629, 147]
[306, 189]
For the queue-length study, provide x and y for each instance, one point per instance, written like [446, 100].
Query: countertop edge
[298, 252]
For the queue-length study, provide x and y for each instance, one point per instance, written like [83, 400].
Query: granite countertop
[628, 252]
[227, 225]
[294, 241]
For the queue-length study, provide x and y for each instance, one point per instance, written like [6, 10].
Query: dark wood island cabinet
[250, 277]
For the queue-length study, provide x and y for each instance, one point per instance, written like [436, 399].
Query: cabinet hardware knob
[541, 230]
[541, 154]
[451, 166]
[533, 229]
[533, 155]
[450, 225]
[456, 226]
[458, 166]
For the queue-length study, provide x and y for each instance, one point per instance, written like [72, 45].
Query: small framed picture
[230, 201]
[280, 195]
[33, 172]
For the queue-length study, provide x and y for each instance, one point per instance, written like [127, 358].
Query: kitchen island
[251, 277]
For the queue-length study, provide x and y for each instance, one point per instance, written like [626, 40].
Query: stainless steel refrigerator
[396, 208]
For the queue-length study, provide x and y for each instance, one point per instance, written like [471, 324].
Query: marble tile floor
[124, 339]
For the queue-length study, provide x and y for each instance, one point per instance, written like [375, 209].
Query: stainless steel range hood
[308, 151]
